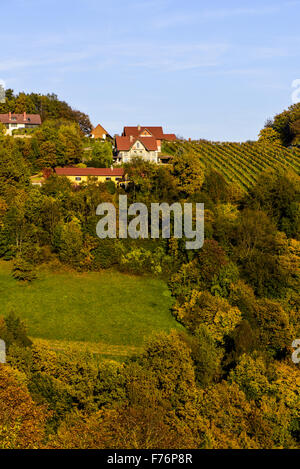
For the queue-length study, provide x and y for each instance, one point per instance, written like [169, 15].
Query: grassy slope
[106, 308]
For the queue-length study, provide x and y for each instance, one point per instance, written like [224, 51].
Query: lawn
[107, 308]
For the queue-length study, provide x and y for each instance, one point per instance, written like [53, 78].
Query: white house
[20, 121]
[133, 147]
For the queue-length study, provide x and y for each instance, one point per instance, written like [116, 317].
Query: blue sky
[214, 70]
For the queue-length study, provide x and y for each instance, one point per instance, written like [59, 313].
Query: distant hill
[239, 162]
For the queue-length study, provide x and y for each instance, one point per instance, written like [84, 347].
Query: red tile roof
[20, 118]
[157, 132]
[89, 171]
[125, 143]
[169, 137]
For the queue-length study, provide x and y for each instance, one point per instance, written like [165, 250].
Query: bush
[107, 254]
[205, 355]
[23, 271]
[215, 313]
[139, 261]
[13, 332]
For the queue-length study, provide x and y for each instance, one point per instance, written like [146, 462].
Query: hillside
[239, 162]
[113, 310]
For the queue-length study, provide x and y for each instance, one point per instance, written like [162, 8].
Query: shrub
[23, 271]
[215, 313]
[13, 331]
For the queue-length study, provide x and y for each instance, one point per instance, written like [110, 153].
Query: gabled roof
[157, 132]
[99, 129]
[125, 143]
[20, 118]
[89, 171]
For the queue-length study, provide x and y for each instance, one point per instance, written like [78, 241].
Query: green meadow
[111, 311]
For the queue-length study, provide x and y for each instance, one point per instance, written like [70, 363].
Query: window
[14, 125]
[137, 145]
[78, 178]
[108, 179]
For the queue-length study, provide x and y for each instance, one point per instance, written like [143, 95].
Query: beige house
[128, 148]
[141, 141]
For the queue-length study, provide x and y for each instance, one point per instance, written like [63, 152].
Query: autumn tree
[187, 168]
[22, 422]
[219, 317]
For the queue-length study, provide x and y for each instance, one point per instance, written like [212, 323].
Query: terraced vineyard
[239, 162]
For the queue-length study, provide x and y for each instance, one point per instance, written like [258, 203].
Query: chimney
[9, 115]
[139, 127]
[131, 138]
[24, 116]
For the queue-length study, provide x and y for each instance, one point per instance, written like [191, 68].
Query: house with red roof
[84, 175]
[141, 141]
[20, 121]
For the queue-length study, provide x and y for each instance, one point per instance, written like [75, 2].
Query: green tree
[286, 124]
[23, 270]
[219, 317]
[68, 242]
[101, 155]
[13, 331]
[187, 168]
[205, 355]
[278, 194]
[269, 136]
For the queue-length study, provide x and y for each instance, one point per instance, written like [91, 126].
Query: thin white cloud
[273, 52]
[227, 12]
[12, 64]
[65, 58]
[292, 3]
[218, 14]
[163, 57]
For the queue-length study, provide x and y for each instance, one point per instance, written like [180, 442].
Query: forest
[221, 375]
